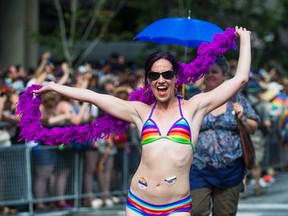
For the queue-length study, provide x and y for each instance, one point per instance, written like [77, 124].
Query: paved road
[273, 203]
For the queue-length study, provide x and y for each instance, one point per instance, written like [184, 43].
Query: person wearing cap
[45, 72]
[83, 76]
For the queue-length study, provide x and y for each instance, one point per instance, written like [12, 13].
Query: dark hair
[114, 56]
[161, 55]
[18, 67]
[223, 64]
[5, 72]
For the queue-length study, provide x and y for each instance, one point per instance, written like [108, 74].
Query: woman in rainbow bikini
[169, 125]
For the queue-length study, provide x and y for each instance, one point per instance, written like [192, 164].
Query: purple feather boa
[206, 56]
[28, 104]
[32, 129]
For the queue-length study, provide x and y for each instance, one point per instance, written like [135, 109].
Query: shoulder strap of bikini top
[180, 108]
[152, 110]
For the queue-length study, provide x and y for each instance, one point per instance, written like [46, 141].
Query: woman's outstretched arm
[121, 109]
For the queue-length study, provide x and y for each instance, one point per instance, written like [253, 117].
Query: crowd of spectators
[267, 86]
[112, 78]
[267, 92]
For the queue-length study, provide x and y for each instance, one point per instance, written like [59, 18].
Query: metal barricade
[22, 170]
[22, 166]
[13, 175]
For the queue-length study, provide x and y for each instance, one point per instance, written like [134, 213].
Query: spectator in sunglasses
[169, 128]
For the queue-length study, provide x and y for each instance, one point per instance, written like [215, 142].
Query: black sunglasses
[168, 75]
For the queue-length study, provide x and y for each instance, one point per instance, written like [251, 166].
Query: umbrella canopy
[180, 31]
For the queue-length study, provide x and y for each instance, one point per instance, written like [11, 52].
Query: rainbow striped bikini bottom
[144, 208]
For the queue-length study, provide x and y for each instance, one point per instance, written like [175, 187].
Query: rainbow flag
[283, 125]
[283, 121]
[102, 162]
[278, 101]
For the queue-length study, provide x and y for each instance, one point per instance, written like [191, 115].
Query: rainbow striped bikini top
[179, 132]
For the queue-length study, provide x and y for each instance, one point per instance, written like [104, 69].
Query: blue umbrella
[180, 31]
[186, 32]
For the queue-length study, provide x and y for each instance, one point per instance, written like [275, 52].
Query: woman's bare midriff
[163, 174]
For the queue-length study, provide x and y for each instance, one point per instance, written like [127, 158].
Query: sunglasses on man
[168, 75]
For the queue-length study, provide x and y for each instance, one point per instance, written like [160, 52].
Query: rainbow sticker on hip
[142, 183]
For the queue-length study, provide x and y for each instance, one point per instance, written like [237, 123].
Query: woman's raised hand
[242, 32]
[46, 88]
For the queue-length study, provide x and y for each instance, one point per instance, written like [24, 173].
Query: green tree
[266, 19]
[81, 26]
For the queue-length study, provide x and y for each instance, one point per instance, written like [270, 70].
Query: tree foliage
[266, 19]
[80, 26]
[85, 23]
